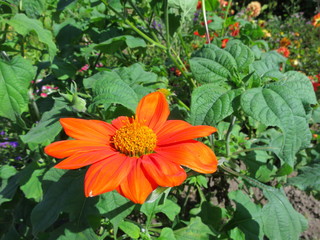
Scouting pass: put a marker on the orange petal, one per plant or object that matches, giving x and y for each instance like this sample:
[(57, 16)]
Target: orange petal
[(82, 159), (137, 186), (172, 126), (185, 134), (153, 109), (163, 171), (121, 121), (192, 154), (106, 175), (93, 130), (62, 149)]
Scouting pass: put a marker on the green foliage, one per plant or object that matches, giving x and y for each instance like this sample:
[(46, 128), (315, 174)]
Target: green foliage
[(97, 59)]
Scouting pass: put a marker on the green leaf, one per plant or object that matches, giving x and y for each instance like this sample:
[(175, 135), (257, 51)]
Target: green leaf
[(187, 6), (131, 229), (308, 178), (110, 88), (49, 126), (15, 77), (247, 216), (63, 193), (242, 54), (34, 8), (30, 181), (71, 231), (280, 220), (217, 22), (119, 43), (115, 207), (8, 183), (24, 25), (279, 106), (196, 229), (210, 104), (212, 65), (167, 233)]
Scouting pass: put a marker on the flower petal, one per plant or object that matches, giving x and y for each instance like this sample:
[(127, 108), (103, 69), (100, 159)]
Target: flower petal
[(120, 122), (163, 171), (185, 134), (153, 109), (93, 130), (171, 126), (62, 149), (106, 175), (192, 154), (79, 160), (137, 186)]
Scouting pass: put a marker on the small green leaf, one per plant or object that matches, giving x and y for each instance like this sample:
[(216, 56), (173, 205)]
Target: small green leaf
[(196, 229), (8, 183), (15, 77), (242, 54), (130, 228), (24, 25), (247, 216), (280, 220), (308, 178), (166, 234)]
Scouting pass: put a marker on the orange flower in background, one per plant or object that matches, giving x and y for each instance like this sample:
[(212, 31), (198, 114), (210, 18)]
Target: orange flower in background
[(134, 155), (285, 42), (316, 20), (254, 9), (199, 5), (284, 51)]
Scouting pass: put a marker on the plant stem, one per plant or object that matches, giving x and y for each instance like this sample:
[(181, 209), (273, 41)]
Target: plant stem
[(126, 21), (225, 18), (233, 120), (205, 21)]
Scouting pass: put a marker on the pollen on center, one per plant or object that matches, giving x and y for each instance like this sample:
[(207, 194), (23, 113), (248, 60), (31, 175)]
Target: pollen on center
[(135, 139)]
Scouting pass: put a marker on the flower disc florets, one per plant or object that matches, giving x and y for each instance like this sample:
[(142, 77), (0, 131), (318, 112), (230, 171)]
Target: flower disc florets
[(135, 139)]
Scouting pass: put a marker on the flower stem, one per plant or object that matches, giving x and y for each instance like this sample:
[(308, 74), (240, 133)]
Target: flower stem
[(205, 21), (137, 30), (225, 18), (232, 122)]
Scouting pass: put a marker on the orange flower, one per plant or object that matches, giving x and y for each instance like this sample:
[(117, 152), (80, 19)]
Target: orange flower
[(316, 20), (134, 155), (285, 42), (284, 51), (199, 5)]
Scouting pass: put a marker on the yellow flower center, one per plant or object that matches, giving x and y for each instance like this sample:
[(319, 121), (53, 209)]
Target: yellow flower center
[(135, 139)]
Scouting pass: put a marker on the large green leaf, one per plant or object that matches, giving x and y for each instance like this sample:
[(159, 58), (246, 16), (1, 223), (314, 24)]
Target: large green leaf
[(15, 77), (24, 25), (280, 220), (242, 54), (34, 8), (211, 104), (247, 216), (308, 178), (49, 126), (187, 6), (278, 106), (63, 192)]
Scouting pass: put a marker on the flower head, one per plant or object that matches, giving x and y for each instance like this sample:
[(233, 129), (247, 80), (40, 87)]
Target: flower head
[(235, 29), (316, 20), (284, 51), (254, 9), (224, 42), (285, 42), (134, 155)]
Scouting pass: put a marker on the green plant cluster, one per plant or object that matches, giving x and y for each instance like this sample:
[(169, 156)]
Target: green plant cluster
[(95, 59)]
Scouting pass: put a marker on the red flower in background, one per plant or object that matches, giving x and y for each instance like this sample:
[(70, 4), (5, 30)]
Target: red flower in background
[(224, 42), (235, 29), (284, 51), (199, 5), (316, 20), (134, 155)]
